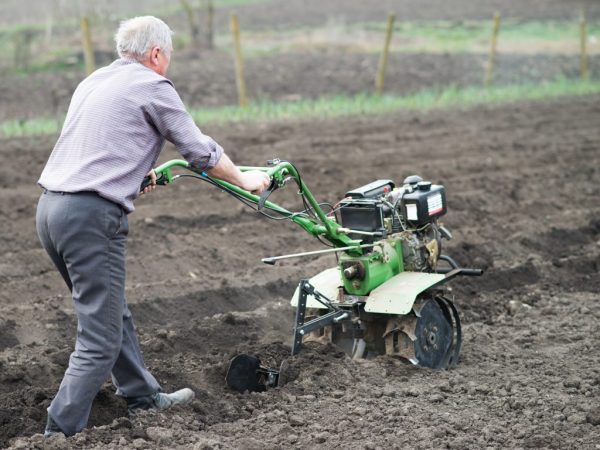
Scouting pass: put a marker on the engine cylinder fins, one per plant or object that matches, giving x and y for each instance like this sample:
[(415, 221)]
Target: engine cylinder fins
[(430, 336)]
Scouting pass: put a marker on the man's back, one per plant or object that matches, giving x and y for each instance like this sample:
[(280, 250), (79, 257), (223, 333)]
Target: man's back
[(116, 126)]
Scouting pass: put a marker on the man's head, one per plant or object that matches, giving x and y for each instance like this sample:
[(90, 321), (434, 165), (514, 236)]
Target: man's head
[(147, 40)]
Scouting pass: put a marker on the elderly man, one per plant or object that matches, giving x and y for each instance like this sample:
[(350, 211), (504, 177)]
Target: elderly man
[(116, 126)]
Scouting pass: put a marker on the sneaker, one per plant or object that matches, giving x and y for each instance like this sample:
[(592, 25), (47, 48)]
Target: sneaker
[(52, 428), (160, 400), (180, 397)]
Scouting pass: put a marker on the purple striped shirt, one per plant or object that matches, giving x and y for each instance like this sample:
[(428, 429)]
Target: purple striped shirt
[(116, 126)]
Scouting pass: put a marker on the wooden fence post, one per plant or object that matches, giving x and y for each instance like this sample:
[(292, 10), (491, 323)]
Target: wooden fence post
[(489, 74), (583, 63), (88, 50), (189, 12), (383, 59), (49, 28), (239, 62), (209, 8), (22, 48)]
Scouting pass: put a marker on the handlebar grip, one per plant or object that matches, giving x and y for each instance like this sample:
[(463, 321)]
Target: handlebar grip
[(161, 180), (265, 194), (147, 182), (472, 272)]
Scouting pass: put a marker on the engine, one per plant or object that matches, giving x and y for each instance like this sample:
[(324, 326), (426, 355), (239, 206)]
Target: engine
[(380, 210)]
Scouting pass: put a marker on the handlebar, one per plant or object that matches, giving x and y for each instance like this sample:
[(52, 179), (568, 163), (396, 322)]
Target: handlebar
[(279, 171)]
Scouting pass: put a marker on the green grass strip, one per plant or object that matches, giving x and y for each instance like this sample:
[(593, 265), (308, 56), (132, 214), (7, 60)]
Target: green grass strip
[(340, 106), (30, 127)]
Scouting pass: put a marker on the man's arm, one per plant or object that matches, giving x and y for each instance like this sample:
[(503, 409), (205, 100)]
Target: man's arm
[(171, 119), (167, 113), (254, 181)]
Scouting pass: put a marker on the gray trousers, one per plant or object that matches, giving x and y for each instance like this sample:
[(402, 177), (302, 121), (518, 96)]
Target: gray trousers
[(85, 236)]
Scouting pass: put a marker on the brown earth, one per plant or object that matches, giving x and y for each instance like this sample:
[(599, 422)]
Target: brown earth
[(523, 188), (522, 182)]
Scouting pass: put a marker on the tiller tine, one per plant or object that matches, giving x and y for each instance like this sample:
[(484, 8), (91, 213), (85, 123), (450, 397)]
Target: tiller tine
[(246, 374)]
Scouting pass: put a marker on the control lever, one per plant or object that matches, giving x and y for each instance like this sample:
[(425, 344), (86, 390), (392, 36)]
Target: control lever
[(266, 193)]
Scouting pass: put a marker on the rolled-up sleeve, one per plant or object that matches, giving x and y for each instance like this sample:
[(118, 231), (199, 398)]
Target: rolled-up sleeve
[(168, 114)]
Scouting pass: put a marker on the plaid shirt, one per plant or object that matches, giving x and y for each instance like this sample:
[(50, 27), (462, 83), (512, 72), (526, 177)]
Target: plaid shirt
[(116, 126)]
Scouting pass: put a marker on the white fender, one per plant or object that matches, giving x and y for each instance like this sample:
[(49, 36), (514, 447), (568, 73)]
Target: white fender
[(327, 283), (398, 294)]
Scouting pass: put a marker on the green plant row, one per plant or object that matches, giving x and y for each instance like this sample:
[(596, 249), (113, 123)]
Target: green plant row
[(425, 100), (340, 106)]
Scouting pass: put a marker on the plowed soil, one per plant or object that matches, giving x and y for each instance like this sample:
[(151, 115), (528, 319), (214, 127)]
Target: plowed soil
[(523, 183)]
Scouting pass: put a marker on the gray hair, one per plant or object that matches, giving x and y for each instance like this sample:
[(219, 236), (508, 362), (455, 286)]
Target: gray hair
[(135, 37)]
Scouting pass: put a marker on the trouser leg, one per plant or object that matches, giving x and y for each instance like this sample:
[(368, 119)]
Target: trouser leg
[(88, 234), (129, 374)]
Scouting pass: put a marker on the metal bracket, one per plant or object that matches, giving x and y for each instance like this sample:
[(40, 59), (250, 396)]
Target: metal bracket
[(334, 315)]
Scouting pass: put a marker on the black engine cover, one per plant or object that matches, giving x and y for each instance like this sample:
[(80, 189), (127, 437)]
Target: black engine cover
[(375, 189), (424, 204)]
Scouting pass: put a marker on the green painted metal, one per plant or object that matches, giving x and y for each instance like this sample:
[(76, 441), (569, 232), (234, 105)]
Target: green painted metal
[(323, 226), (166, 169), (383, 263), (383, 268)]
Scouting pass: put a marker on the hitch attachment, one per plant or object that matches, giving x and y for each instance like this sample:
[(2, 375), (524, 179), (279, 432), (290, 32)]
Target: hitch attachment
[(334, 315)]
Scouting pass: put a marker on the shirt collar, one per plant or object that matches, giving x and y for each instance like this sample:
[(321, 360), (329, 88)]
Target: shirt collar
[(127, 60)]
